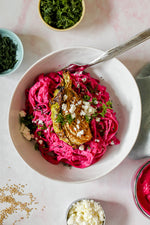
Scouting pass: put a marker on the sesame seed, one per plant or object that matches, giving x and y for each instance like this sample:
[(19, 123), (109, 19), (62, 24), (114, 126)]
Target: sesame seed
[(8, 198)]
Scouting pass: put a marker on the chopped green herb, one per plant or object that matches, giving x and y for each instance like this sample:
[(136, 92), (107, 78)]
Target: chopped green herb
[(60, 118), (87, 118), (109, 104), (89, 87), (7, 53), (61, 14), (36, 146), (94, 115), (27, 121), (69, 118), (86, 97), (104, 110), (39, 133), (43, 127), (67, 165), (94, 101)]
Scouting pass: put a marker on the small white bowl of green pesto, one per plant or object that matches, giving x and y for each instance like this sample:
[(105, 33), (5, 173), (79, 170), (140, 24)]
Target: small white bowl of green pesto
[(61, 15), (11, 52)]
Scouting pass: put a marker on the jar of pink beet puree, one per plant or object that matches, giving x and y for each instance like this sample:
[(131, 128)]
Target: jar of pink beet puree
[(141, 188)]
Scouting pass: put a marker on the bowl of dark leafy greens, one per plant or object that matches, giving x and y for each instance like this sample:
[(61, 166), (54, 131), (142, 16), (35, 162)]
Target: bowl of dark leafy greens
[(11, 52), (61, 15)]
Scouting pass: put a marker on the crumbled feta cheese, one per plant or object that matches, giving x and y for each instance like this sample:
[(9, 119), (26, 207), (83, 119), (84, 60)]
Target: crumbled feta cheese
[(40, 122), (34, 121), (22, 127), (22, 113), (82, 113), (75, 128), (78, 85), (73, 115), (98, 119), (81, 132), (64, 107), (40, 142), (95, 102), (97, 140), (81, 147), (90, 110), (80, 102), (72, 108), (87, 109), (65, 97), (25, 131), (86, 212), (78, 127), (84, 79), (32, 136), (78, 121), (86, 103), (112, 143)]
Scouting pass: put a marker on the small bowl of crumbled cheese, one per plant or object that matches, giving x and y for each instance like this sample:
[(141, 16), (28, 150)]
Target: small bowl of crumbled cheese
[(85, 211)]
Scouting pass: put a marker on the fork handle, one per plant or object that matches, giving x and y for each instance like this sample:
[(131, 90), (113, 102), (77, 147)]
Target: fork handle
[(136, 40)]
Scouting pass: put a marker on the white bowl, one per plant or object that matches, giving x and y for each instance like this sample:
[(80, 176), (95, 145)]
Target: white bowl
[(19, 51), (76, 214), (124, 94)]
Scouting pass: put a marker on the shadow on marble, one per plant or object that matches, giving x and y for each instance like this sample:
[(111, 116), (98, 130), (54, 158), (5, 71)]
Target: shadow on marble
[(133, 65), (115, 213), (35, 47), (96, 12)]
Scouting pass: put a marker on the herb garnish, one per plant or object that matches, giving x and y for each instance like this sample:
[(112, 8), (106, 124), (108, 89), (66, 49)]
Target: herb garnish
[(86, 97), (64, 119), (69, 118), (109, 104), (7, 53), (61, 14), (60, 118), (94, 101), (36, 146), (105, 107), (104, 110), (87, 118), (27, 121)]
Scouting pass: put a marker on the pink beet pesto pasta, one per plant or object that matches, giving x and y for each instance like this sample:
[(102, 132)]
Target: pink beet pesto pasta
[(103, 122)]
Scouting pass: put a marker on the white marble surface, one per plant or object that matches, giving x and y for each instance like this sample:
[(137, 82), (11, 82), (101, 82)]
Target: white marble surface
[(106, 24)]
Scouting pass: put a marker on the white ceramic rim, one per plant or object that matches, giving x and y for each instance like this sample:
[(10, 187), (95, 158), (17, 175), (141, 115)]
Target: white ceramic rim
[(137, 128)]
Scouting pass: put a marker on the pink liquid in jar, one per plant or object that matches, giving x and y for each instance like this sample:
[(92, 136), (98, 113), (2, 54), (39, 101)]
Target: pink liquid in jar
[(142, 189)]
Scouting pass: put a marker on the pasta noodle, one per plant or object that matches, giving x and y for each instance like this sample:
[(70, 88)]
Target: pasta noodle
[(103, 123)]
